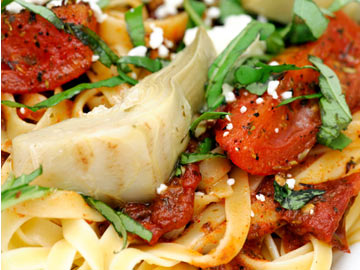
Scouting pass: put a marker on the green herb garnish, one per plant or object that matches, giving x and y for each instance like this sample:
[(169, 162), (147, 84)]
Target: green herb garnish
[(335, 113), (289, 100), (206, 116), (339, 4), (205, 146), (67, 94), (199, 8), (195, 9), (188, 158), (225, 61), (17, 190), (152, 65), (294, 200), (135, 26), (229, 8)]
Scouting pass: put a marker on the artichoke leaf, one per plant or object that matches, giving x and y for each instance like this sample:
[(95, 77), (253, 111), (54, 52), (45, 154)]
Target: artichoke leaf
[(123, 153)]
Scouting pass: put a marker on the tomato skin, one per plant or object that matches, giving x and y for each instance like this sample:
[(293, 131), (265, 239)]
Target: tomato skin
[(38, 57), (267, 139)]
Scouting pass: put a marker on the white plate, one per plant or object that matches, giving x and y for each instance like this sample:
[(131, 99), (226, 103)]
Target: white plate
[(345, 261)]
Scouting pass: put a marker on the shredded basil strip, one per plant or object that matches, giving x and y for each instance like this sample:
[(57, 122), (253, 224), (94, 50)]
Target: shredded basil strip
[(135, 25), (193, 14), (135, 227), (290, 100), (229, 8), (339, 4), (110, 215), (309, 23), (55, 99), (17, 190), (205, 146), (294, 200), (152, 65), (199, 8), (188, 158), (224, 62), (206, 116), (335, 113)]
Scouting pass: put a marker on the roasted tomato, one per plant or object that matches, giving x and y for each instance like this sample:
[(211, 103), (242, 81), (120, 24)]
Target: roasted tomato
[(266, 139), (35, 56)]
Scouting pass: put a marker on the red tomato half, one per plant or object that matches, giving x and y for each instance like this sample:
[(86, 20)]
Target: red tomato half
[(267, 139), (35, 56)]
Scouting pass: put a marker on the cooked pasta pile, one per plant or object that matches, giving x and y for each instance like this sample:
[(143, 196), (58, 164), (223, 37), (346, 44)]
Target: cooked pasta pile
[(61, 231)]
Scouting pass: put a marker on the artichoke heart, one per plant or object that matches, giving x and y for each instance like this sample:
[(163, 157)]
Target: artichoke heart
[(123, 153)]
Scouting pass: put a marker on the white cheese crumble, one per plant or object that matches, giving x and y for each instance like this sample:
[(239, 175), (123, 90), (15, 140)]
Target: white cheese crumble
[(209, 2), (163, 51), (229, 126), (311, 212), (289, 175), (262, 19), (22, 110), (169, 43), (16, 8), (161, 189), (133, 75), (243, 109), (273, 63), (213, 12), (227, 91), (138, 51), (199, 193), (169, 7), (227, 117), (230, 181), (95, 57), (246, 93), (276, 130), (226, 133), (272, 86), (291, 183), (237, 149), (286, 95), (99, 15), (260, 197), (156, 37), (259, 100), (252, 213)]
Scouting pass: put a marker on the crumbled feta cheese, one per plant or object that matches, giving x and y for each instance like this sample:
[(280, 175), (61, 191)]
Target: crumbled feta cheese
[(260, 197), (169, 7), (169, 43), (246, 93), (99, 15), (311, 212), (95, 57), (156, 37), (291, 183), (262, 19), (286, 95), (138, 51), (259, 100), (229, 126), (237, 149), (272, 86), (276, 130), (227, 117), (243, 109), (252, 213), (172, 56), (163, 51), (289, 175), (213, 12), (209, 2), (227, 91), (199, 193), (226, 133), (273, 63), (161, 189), (133, 75), (230, 181), (22, 110)]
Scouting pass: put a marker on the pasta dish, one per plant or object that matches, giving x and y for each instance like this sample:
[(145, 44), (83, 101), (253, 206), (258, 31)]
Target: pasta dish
[(179, 134)]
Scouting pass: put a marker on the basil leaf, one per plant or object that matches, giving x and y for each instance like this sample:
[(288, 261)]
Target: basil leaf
[(89, 38), (199, 8), (275, 43), (67, 94), (340, 142), (223, 63), (125, 77), (20, 194), (230, 7), (135, 227), (110, 215), (289, 100), (339, 4), (206, 116), (152, 65), (187, 158), (22, 180), (135, 26), (294, 200), (43, 12), (103, 3), (309, 23), (335, 113), (193, 15), (256, 88), (205, 146)]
